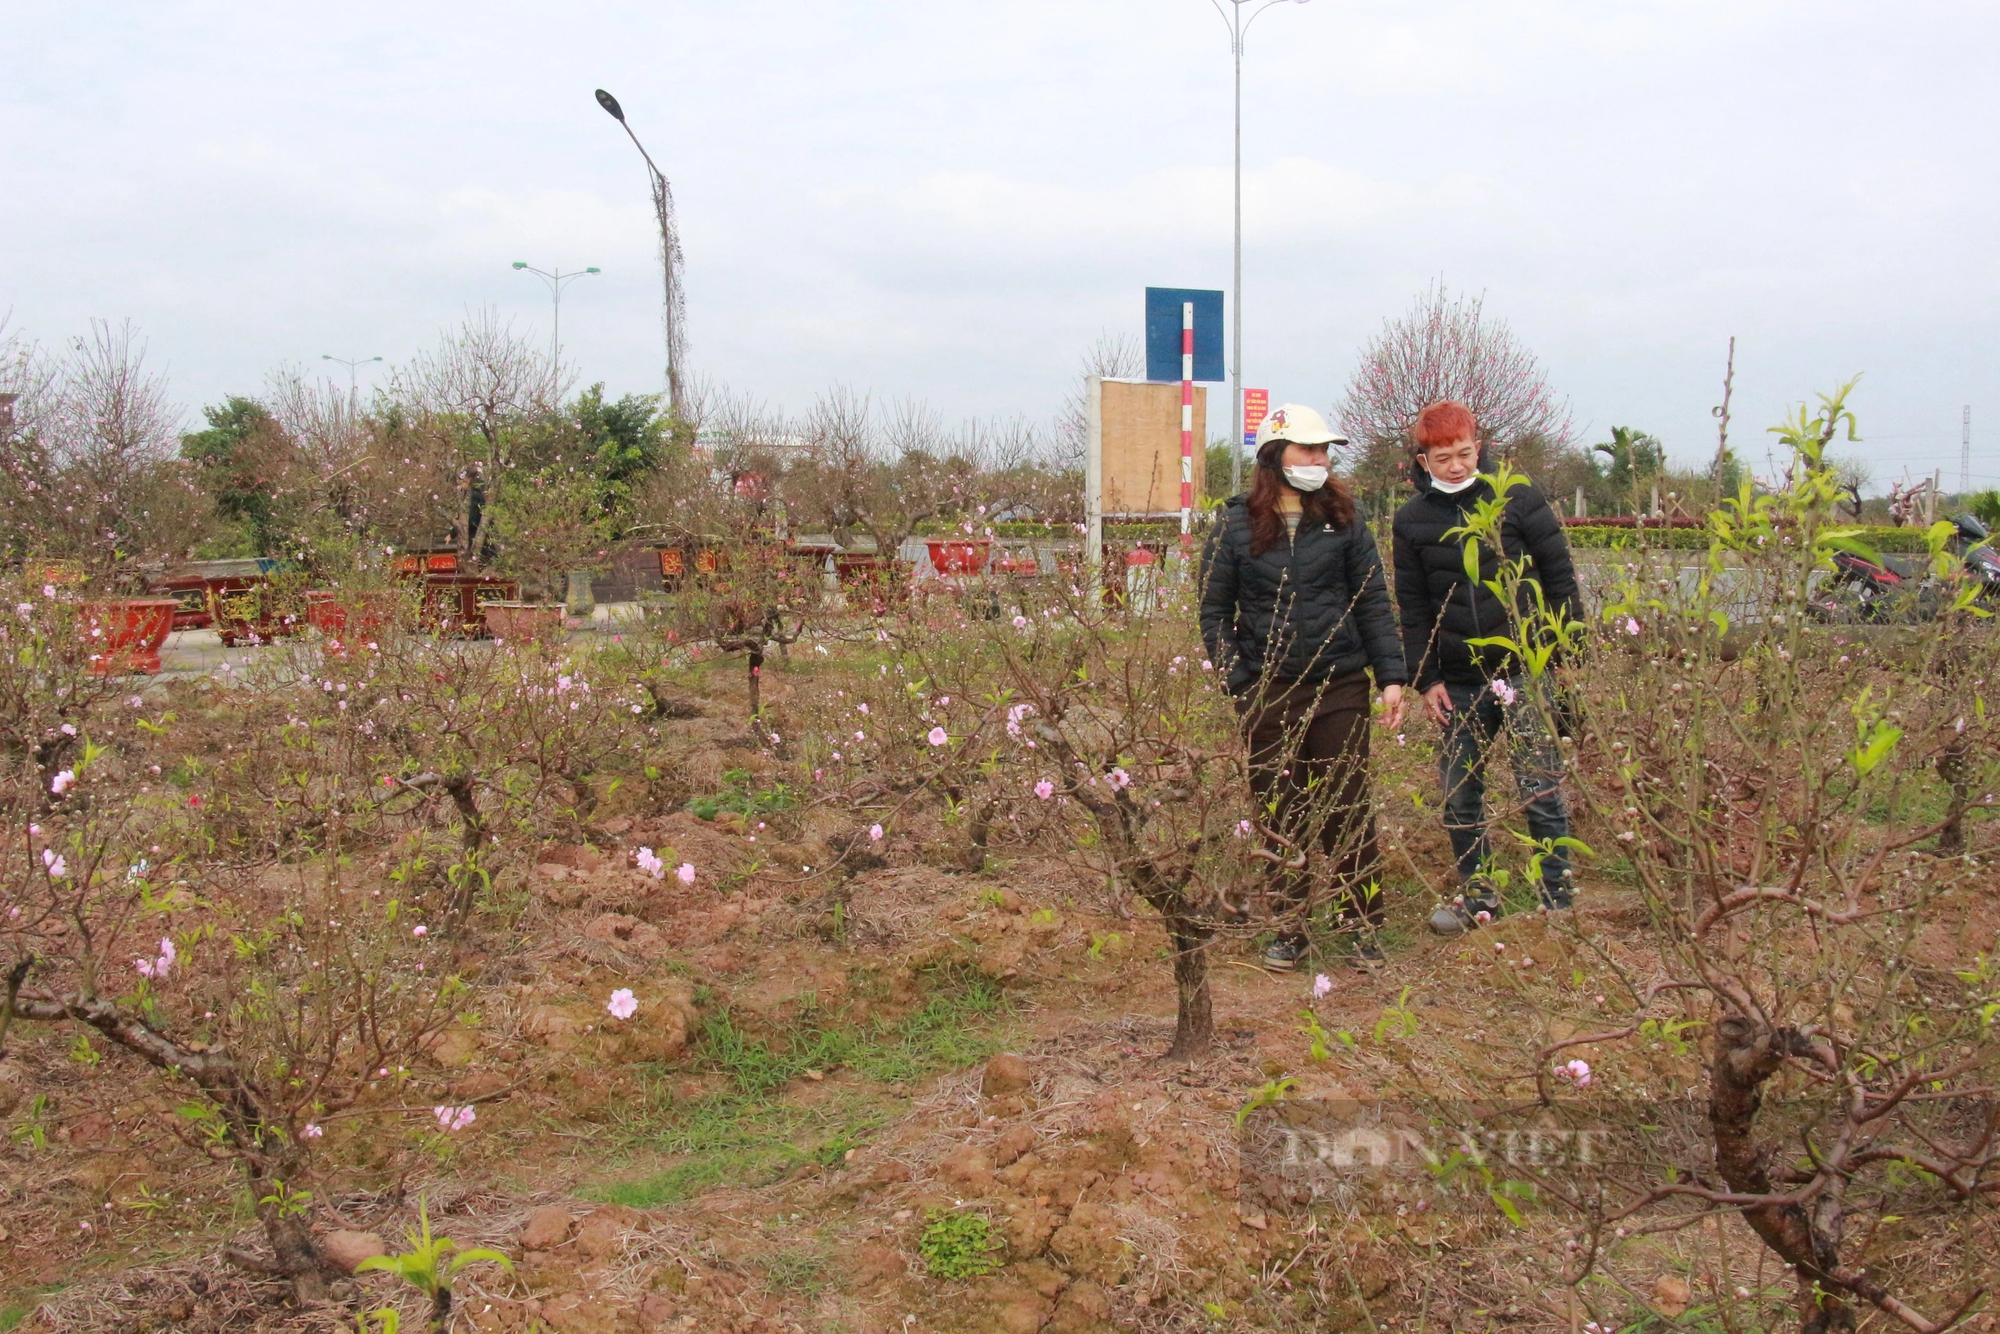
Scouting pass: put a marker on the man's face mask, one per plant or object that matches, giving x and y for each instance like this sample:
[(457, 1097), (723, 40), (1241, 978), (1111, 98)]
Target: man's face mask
[(1452, 488), (1306, 477)]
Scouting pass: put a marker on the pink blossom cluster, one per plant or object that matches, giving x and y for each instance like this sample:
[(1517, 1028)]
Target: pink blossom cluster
[(451, 1120), (1577, 1072), (157, 968)]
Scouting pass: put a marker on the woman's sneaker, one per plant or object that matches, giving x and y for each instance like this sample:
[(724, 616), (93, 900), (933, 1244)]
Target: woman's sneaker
[(1464, 913), (1283, 954)]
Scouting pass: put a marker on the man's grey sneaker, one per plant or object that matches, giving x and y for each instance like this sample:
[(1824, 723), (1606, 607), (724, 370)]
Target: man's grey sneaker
[(1367, 954), (1283, 954), (1557, 897), (1464, 914)]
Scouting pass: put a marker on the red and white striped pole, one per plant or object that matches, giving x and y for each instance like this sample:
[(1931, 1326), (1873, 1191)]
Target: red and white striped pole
[(1187, 425)]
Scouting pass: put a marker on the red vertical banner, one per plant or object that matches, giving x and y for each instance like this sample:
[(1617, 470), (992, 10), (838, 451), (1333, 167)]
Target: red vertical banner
[(1256, 406)]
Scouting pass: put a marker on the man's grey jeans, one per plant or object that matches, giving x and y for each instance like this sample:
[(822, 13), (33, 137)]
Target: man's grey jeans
[(1478, 716)]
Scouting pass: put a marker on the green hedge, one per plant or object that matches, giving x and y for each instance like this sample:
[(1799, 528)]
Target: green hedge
[(1584, 537), (1901, 541)]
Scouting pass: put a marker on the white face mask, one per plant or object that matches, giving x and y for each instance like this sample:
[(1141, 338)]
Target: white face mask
[(1439, 484), (1310, 477)]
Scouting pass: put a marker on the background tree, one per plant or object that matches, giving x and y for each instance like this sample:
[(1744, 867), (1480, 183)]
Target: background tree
[(570, 493), (547, 524), (855, 478), (629, 438), (1637, 461), (92, 472), (1445, 347), (1113, 356), (238, 458), (470, 398)]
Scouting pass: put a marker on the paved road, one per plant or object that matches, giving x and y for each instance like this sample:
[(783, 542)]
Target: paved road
[(192, 653)]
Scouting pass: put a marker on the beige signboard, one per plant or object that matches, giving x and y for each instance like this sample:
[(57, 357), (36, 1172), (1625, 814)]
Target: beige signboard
[(1139, 451)]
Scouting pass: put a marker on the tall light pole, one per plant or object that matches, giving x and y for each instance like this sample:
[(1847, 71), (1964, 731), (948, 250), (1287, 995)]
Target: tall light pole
[(353, 364), (674, 313), (1239, 27), (556, 282)]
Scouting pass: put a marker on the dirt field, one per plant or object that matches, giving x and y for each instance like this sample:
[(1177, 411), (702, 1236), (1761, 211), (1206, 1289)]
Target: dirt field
[(843, 1050)]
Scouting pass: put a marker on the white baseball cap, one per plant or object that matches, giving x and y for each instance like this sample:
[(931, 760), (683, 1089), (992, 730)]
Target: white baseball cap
[(1297, 424)]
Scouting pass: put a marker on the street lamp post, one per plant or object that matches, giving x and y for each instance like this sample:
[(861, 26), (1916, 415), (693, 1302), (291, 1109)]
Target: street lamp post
[(674, 313), (353, 365), (1239, 27), (556, 282)]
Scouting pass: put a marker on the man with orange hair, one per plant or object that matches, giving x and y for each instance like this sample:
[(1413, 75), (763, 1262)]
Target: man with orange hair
[(1475, 691)]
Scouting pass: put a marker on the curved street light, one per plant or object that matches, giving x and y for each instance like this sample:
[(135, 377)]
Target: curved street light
[(1239, 27), (674, 313), (556, 282)]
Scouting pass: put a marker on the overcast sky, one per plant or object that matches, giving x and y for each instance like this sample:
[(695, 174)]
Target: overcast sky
[(950, 200)]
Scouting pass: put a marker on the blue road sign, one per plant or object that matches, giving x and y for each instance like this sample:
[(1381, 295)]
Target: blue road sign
[(1163, 333)]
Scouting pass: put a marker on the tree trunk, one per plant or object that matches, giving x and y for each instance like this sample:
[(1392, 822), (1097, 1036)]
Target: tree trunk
[(251, 1130), (472, 826), (978, 832), (1951, 768), (293, 1253), (1194, 1022), (1746, 1054), (756, 683)]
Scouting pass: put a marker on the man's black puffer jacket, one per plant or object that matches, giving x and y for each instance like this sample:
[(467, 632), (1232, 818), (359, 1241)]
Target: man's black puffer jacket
[(1441, 609), (1309, 609)]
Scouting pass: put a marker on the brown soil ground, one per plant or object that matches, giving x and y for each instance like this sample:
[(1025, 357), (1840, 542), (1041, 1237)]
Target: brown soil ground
[(991, 1044)]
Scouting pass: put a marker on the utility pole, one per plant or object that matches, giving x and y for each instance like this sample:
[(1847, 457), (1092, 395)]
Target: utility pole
[(1721, 414), (1965, 452), (674, 306), (353, 364), (1238, 27), (555, 282)]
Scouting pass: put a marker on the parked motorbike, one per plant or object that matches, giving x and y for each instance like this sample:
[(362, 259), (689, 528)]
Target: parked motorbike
[(1904, 590)]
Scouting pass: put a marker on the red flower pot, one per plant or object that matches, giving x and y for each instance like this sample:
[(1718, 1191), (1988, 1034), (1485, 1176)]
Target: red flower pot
[(885, 582), (959, 557), (125, 634), (523, 622), (361, 615)]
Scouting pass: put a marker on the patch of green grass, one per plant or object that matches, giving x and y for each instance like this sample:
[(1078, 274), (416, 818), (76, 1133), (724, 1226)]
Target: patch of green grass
[(747, 1133), (740, 797), (959, 1245), (948, 1032), (727, 1138), (756, 1067), (800, 1271)]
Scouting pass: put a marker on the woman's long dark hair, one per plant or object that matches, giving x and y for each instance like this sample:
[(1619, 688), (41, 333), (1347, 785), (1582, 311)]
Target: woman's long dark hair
[(1332, 503)]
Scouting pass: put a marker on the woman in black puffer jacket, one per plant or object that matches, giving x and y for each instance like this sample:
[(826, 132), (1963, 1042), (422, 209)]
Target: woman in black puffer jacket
[(1296, 615)]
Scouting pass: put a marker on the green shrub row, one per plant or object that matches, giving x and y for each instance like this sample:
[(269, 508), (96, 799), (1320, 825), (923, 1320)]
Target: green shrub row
[(1901, 541), (1587, 537)]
